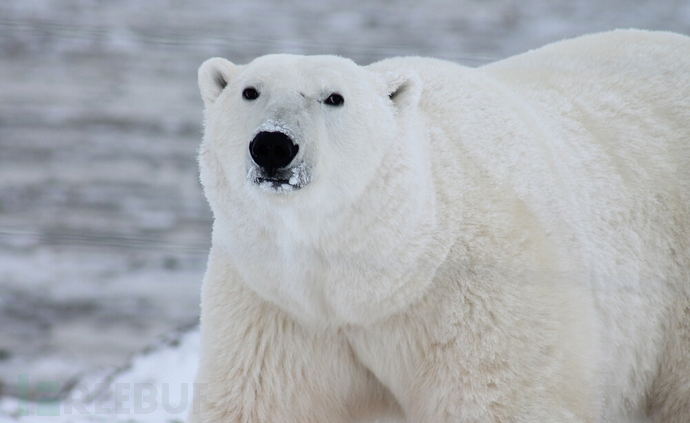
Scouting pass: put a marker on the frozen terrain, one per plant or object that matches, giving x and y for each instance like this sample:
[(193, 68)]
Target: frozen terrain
[(103, 227)]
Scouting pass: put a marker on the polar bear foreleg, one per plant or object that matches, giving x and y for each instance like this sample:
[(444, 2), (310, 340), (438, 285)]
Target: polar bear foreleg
[(259, 365)]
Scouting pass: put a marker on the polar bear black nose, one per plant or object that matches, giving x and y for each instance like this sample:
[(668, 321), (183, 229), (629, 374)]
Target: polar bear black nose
[(272, 150)]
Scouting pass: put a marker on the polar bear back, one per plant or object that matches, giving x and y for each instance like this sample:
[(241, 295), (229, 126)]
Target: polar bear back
[(627, 91)]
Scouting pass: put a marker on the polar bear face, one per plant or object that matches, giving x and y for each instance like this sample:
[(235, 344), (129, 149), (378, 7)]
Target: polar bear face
[(284, 123), (300, 155)]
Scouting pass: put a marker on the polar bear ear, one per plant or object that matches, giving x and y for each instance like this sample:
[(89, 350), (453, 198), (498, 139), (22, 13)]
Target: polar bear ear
[(403, 87), (214, 75)]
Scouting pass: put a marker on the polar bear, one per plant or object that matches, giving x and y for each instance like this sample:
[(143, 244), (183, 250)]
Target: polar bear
[(424, 241)]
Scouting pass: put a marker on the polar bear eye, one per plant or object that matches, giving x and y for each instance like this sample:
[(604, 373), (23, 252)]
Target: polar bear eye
[(335, 99), (250, 93)]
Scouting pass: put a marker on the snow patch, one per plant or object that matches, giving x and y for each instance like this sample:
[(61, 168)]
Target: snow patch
[(288, 180)]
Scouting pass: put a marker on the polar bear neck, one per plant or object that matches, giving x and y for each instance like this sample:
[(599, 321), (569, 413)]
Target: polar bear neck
[(351, 266)]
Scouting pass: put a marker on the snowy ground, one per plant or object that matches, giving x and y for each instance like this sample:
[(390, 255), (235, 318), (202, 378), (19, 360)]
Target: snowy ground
[(103, 227), (155, 386)]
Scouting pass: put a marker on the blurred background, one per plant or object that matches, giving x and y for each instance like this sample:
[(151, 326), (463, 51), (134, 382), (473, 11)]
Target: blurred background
[(104, 230)]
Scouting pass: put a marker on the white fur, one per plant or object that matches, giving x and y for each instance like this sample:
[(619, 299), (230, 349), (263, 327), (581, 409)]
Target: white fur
[(503, 244)]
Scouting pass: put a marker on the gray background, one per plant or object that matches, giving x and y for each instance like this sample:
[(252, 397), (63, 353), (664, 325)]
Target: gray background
[(103, 227)]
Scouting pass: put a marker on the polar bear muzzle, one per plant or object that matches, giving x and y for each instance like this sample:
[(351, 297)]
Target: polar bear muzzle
[(272, 153)]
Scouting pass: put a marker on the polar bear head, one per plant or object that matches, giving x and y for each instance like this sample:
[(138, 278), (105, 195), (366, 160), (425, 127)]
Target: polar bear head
[(300, 155), (283, 123)]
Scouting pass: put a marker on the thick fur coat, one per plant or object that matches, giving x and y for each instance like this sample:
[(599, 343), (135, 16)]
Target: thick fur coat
[(503, 244)]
